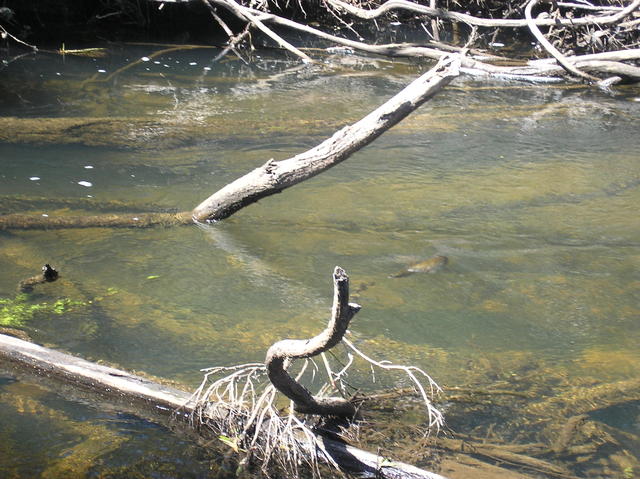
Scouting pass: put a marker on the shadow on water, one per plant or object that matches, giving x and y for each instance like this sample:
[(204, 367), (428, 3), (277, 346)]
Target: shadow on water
[(531, 192)]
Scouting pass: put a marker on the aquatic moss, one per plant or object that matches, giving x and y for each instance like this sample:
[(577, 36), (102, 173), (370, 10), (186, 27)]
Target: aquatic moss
[(19, 311)]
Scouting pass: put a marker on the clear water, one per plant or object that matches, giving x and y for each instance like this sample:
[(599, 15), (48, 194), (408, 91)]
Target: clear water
[(532, 192)]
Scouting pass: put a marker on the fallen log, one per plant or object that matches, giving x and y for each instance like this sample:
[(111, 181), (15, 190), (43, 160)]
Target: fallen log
[(275, 176), (136, 394)]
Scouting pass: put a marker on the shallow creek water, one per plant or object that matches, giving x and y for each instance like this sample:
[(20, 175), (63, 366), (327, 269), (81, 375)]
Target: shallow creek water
[(532, 192)]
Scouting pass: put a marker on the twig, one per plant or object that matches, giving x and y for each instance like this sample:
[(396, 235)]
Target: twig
[(4, 33), (255, 17), (436, 419), (233, 39)]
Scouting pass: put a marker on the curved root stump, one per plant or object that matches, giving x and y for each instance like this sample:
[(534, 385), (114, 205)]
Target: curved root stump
[(281, 353)]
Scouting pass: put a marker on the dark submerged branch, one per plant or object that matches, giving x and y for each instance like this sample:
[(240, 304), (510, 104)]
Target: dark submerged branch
[(143, 220)]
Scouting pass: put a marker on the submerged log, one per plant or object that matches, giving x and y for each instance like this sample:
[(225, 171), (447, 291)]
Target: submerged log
[(131, 220), (502, 454), (134, 393)]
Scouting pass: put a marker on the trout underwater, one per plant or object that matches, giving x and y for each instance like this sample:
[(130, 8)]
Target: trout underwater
[(431, 265)]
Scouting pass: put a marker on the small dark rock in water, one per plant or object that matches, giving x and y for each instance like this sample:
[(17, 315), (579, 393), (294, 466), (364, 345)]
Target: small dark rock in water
[(431, 265), (48, 275)]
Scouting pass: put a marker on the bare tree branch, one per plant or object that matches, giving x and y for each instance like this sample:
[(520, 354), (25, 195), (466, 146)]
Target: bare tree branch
[(562, 60), (254, 17), (275, 176)]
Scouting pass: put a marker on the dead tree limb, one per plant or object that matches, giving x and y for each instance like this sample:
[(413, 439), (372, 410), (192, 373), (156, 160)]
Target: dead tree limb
[(253, 17), (629, 72), (617, 56), (475, 65), (391, 5), (275, 176), (562, 60), (139, 395), (281, 353)]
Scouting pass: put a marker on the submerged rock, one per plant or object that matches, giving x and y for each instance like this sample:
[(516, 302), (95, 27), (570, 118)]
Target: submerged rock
[(431, 265), (48, 275)]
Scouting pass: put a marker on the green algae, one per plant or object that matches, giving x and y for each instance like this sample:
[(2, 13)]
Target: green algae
[(20, 311)]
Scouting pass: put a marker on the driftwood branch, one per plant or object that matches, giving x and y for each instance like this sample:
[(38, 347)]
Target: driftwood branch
[(139, 395), (281, 353), (275, 176), (562, 60)]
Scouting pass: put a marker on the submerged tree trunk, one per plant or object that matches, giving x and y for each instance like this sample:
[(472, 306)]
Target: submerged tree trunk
[(115, 220)]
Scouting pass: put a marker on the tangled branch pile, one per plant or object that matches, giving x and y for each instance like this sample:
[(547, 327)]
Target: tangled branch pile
[(587, 40), (580, 26)]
